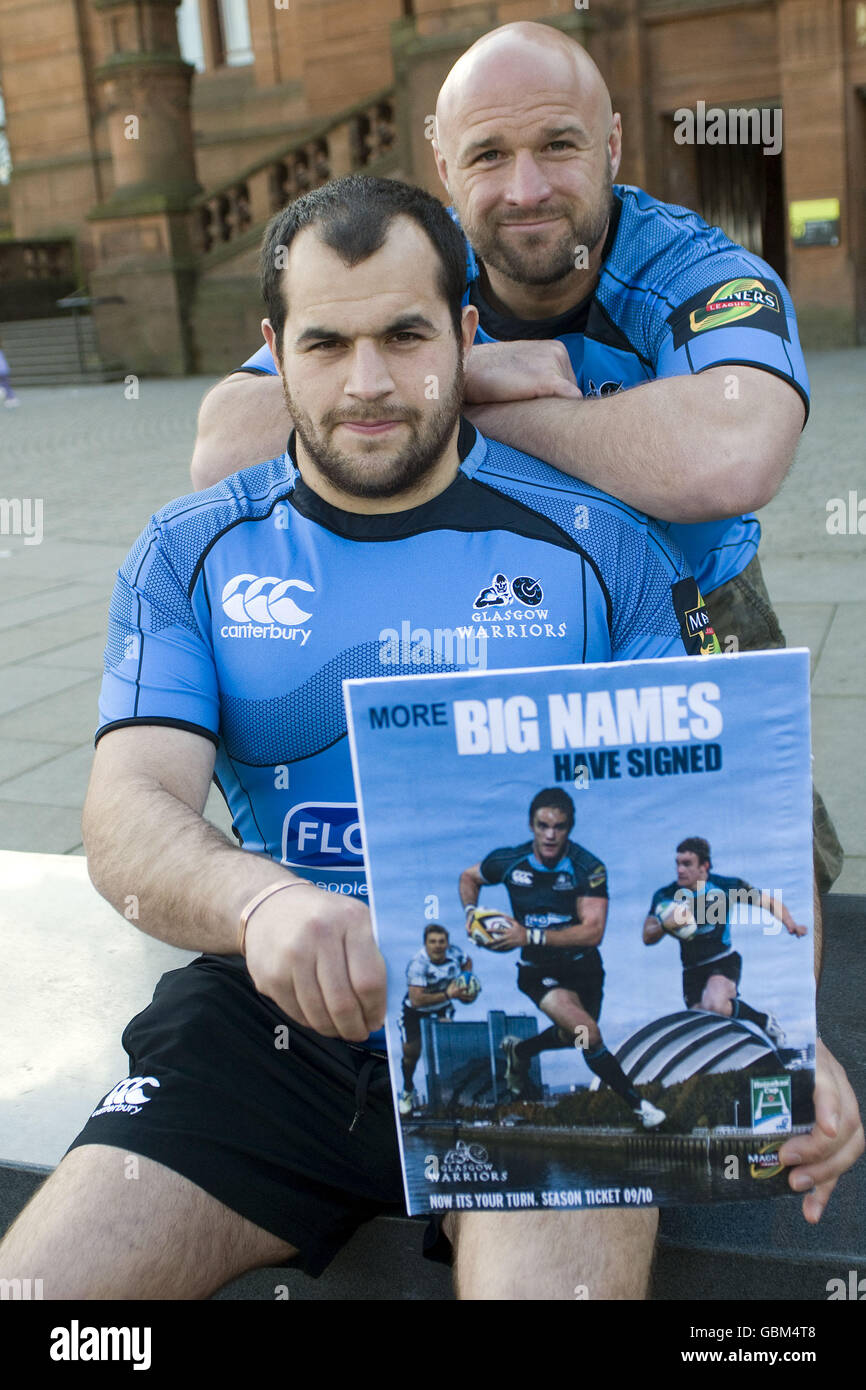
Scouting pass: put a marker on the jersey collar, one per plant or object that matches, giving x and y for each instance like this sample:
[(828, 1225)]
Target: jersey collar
[(548, 869)]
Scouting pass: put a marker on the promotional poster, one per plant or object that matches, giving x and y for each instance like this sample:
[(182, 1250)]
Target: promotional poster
[(592, 886)]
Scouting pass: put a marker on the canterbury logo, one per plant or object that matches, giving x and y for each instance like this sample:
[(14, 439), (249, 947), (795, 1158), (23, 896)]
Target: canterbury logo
[(128, 1094), (248, 599)]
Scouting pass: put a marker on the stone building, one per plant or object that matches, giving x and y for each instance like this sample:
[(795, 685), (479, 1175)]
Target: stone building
[(150, 140)]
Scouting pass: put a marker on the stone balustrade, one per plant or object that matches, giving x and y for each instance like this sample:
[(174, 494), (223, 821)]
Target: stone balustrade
[(358, 139)]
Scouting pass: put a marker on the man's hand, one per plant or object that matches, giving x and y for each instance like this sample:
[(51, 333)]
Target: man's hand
[(518, 371), (514, 936), (314, 954), (456, 989), (835, 1143), (796, 929)]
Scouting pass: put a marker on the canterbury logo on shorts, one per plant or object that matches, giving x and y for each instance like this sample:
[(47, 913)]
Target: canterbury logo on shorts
[(127, 1097)]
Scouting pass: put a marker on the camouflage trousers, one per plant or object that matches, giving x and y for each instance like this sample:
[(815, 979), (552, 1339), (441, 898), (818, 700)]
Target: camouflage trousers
[(742, 608)]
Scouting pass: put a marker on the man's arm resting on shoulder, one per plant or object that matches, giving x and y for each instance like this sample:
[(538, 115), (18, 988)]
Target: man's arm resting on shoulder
[(678, 448), (242, 421), (144, 834)]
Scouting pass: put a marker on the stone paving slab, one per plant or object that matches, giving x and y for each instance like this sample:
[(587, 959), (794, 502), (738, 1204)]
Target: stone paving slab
[(853, 876), (842, 668), (55, 829), (806, 625), (41, 601), (23, 685), (814, 578), (60, 782), (838, 725), (19, 755), (70, 716), (85, 655), (29, 640)]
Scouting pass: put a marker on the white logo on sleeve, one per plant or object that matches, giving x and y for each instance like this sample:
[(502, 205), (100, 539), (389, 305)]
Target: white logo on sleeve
[(127, 1097)]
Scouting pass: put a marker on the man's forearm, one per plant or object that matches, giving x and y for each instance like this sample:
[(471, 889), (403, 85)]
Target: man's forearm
[(171, 872), (675, 448), (242, 421)]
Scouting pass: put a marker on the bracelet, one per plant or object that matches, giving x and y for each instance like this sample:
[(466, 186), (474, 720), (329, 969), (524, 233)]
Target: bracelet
[(536, 936), (257, 901)]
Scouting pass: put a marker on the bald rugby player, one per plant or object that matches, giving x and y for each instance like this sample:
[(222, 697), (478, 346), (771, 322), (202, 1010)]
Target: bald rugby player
[(610, 328)]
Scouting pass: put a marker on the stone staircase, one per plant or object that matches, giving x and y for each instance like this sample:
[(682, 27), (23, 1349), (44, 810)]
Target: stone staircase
[(60, 351)]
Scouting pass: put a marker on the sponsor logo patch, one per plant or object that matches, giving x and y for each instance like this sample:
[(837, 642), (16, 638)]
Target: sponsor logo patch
[(699, 638), (323, 835), (764, 1163), (745, 300)]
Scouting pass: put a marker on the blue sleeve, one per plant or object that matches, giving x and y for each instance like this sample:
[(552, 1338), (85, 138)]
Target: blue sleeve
[(261, 362), (728, 309), (495, 864), (659, 609), (159, 668)]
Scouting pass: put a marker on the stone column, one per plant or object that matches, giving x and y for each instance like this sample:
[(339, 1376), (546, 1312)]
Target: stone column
[(142, 240)]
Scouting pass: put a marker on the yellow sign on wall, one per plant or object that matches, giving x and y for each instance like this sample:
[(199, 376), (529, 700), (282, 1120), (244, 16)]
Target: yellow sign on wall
[(815, 222)]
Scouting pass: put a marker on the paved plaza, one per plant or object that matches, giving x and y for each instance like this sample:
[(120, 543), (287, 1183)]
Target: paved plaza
[(101, 463)]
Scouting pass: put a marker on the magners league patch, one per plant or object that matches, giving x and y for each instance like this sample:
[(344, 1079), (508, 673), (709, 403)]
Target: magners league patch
[(755, 303), (698, 635)]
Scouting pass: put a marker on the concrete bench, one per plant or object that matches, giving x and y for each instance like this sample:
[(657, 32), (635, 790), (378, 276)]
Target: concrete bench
[(75, 973)]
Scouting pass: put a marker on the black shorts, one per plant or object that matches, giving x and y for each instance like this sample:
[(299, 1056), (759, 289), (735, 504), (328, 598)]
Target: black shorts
[(585, 977), (262, 1126), (695, 976), (410, 1020)]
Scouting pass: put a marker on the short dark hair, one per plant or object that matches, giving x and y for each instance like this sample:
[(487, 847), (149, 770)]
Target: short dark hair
[(435, 926), (696, 844), (555, 797), (353, 216)]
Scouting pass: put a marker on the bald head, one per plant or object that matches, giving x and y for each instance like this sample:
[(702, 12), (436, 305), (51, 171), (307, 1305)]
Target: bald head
[(527, 146), (512, 65)]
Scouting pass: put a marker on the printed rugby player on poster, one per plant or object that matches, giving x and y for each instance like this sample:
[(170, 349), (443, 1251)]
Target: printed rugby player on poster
[(592, 886)]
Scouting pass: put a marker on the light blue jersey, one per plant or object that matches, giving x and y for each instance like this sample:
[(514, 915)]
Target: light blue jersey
[(240, 610)]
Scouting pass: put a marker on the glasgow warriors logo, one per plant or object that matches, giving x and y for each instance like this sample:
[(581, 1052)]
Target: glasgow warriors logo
[(499, 592)]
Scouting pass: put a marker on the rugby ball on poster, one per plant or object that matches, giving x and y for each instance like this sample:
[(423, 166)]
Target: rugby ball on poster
[(470, 987), (486, 927), (677, 918)]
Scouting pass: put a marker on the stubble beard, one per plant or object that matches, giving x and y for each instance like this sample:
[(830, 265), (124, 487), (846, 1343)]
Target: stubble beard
[(532, 266), (356, 477)]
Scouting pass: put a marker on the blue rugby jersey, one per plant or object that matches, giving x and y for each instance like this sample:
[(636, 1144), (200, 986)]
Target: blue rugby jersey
[(674, 297), (240, 610), (711, 908)]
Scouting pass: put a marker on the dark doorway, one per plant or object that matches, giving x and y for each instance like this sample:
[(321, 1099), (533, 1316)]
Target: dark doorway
[(736, 187)]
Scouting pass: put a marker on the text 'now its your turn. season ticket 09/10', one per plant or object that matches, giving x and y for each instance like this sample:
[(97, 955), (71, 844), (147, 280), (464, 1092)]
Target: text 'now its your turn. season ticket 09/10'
[(592, 886)]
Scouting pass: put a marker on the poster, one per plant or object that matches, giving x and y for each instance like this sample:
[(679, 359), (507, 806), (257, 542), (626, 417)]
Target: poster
[(593, 889)]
